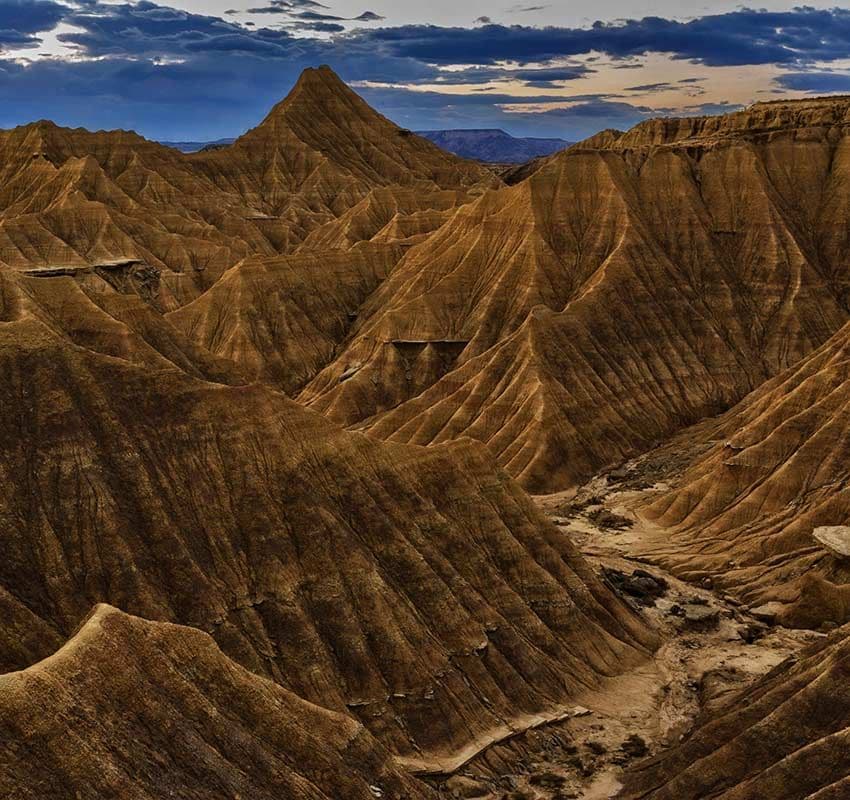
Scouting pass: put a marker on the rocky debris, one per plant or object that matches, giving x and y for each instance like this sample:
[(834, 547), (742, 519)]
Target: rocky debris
[(547, 780), (645, 587), (634, 747), (609, 520), (782, 737), (835, 539), (768, 612), (696, 614), (595, 747), (583, 500), (752, 631), (619, 473), (461, 786)]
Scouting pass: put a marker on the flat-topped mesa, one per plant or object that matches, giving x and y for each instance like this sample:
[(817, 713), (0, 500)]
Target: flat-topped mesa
[(758, 119)]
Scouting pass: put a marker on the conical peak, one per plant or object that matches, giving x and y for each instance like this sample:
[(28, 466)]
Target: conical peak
[(316, 85), (321, 77)]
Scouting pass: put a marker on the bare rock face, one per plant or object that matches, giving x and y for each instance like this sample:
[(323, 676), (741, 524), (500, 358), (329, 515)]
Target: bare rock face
[(141, 710), (775, 474), (782, 739)]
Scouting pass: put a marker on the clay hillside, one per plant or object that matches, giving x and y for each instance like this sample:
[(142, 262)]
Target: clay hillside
[(83, 201), (762, 508), (635, 283), (177, 719), (418, 590), (333, 465)]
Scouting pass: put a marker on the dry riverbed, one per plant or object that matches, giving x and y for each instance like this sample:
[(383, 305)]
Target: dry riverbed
[(711, 648)]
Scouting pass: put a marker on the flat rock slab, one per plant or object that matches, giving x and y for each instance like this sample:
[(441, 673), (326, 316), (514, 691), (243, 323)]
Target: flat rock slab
[(835, 538)]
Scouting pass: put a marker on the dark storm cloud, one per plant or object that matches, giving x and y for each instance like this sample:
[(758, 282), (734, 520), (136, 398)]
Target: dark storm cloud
[(293, 10), (20, 20), (815, 81), (736, 38), (733, 39)]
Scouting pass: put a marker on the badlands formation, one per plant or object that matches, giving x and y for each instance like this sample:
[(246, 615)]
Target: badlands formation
[(335, 466)]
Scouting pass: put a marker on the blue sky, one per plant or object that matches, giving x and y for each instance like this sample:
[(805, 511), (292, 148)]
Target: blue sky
[(205, 69)]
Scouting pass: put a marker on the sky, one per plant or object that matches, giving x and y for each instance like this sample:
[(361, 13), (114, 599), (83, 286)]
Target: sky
[(208, 69)]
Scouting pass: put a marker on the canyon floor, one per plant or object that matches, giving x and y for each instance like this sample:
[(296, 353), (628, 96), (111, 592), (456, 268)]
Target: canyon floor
[(713, 646)]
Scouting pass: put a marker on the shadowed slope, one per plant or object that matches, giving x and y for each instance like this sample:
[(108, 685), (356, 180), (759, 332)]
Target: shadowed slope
[(419, 588), (678, 266), (785, 738), (141, 710), (745, 510), (281, 319)]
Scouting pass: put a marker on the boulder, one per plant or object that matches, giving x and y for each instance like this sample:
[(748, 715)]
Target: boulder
[(834, 538)]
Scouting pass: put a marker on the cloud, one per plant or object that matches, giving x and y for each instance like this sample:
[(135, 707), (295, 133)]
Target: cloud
[(539, 77), (483, 21), (295, 10), (518, 9), (816, 81), (21, 20), (175, 74), (744, 37), (552, 74), (650, 87), (279, 7)]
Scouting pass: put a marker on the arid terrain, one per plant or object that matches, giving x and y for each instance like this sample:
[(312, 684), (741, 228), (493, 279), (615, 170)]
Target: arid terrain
[(333, 465)]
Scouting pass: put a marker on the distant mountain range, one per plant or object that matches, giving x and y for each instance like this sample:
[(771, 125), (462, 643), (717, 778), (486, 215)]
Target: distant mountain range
[(494, 145), (194, 147), (486, 144)]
